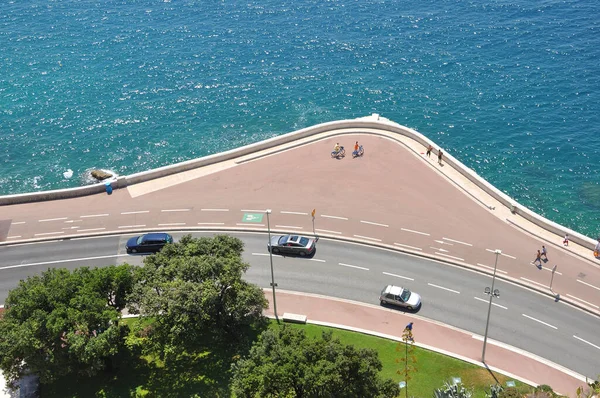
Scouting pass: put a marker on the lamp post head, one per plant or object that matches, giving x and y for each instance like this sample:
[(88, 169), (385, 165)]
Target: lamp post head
[(268, 211), (498, 251)]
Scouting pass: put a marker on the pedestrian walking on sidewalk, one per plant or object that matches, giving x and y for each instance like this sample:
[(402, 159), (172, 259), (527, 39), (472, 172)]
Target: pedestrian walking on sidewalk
[(429, 149), (566, 240), (440, 155), (538, 260), (408, 332), (544, 253)]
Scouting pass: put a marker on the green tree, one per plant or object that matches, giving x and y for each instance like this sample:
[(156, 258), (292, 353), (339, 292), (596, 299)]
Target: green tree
[(64, 322), (285, 363), (193, 289)]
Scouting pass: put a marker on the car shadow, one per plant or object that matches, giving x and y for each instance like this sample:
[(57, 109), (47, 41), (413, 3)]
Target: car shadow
[(311, 255), (402, 309)]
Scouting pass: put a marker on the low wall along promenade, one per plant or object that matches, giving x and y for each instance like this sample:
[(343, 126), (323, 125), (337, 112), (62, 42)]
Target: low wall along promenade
[(373, 124)]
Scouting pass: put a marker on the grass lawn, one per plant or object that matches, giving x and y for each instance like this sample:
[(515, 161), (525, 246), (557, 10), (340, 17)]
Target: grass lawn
[(206, 374)]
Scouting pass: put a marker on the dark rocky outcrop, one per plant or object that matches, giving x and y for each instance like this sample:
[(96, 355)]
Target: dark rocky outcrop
[(100, 174)]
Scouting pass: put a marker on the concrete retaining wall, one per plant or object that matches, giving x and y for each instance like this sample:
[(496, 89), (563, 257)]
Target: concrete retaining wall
[(373, 122)]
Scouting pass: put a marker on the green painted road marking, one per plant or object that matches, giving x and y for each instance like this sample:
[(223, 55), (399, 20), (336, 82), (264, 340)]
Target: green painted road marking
[(252, 217)]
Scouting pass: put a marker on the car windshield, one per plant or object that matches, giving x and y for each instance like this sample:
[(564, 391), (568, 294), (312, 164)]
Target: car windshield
[(303, 241), (405, 295), (282, 240), (140, 240)]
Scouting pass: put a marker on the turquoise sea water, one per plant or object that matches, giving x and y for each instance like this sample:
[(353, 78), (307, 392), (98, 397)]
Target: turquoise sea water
[(509, 87)]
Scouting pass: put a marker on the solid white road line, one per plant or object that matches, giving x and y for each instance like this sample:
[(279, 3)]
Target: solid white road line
[(458, 241), (328, 231), (70, 260), (91, 229), (214, 209), (366, 237), (53, 219), (536, 283), (94, 215), (444, 288), (550, 269), (414, 232), (253, 211), (132, 226), (353, 266), (211, 223), (447, 255), (294, 212), (288, 226), (587, 284), (50, 233), (487, 266), (583, 301), (249, 224), (172, 224), (487, 302), (173, 210), (335, 217), (13, 237), (374, 223), (537, 320), (135, 212), (407, 246), (18, 222), (398, 276), (587, 342)]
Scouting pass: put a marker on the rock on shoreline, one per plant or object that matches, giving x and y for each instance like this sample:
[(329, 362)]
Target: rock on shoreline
[(100, 174)]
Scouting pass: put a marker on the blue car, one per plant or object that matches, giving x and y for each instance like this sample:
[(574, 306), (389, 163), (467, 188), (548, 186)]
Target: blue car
[(148, 243)]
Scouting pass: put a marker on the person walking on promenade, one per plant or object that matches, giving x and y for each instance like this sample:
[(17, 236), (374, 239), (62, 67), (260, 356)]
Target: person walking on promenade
[(440, 155), (566, 240), (538, 260), (597, 249), (544, 253), (429, 149), (356, 147)]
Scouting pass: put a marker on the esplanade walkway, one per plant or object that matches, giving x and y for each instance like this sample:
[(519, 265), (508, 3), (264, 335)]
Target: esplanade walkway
[(394, 197)]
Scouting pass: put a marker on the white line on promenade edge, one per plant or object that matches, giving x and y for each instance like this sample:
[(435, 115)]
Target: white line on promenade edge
[(327, 230), (374, 223), (135, 212), (585, 283), (18, 222), (587, 342), (492, 268), (502, 254), (249, 225), (50, 233), (537, 320), (366, 237), (174, 210), (294, 212), (253, 211), (353, 266), (214, 209), (172, 224), (287, 226), (583, 301), (335, 217), (447, 255), (439, 249), (91, 229), (486, 301), (13, 237), (132, 226), (70, 260), (211, 223), (94, 215), (458, 241), (397, 276), (407, 246), (53, 219), (73, 227), (537, 283), (414, 232), (550, 269), (444, 288), (444, 243)]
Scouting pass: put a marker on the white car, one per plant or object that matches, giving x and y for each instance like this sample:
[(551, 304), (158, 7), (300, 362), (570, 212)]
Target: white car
[(396, 295)]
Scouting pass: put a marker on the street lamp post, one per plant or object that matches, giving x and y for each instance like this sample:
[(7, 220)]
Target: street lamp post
[(492, 293), (273, 284)]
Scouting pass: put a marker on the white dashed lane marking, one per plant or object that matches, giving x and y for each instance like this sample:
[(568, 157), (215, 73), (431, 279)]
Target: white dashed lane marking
[(449, 256), (294, 212), (353, 266), (583, 301), (214, 209), (50, 233), (458, 241), (537, 320), (334, 217), (328, 231), (374, 223), (18, 223), (407, 246), (587, 342), (398, 276), (132, 226), (172, 224), (587, 284), (135, 212), (368, 238), (53, 219), (288, 226), (487, 301), (94, 215), (487, 266), (444, 288), (414, 232)]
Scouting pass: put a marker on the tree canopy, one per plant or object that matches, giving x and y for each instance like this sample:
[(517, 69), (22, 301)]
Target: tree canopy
[(286, 363), (64, 322), (193, 289)]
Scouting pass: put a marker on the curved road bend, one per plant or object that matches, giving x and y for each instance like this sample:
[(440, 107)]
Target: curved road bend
[(454, 296), (394, 195)]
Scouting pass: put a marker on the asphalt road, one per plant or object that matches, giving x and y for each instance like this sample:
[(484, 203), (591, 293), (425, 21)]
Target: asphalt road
[(452, 295)]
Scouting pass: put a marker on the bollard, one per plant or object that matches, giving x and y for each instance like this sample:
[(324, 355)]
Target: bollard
[(108, 187)]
